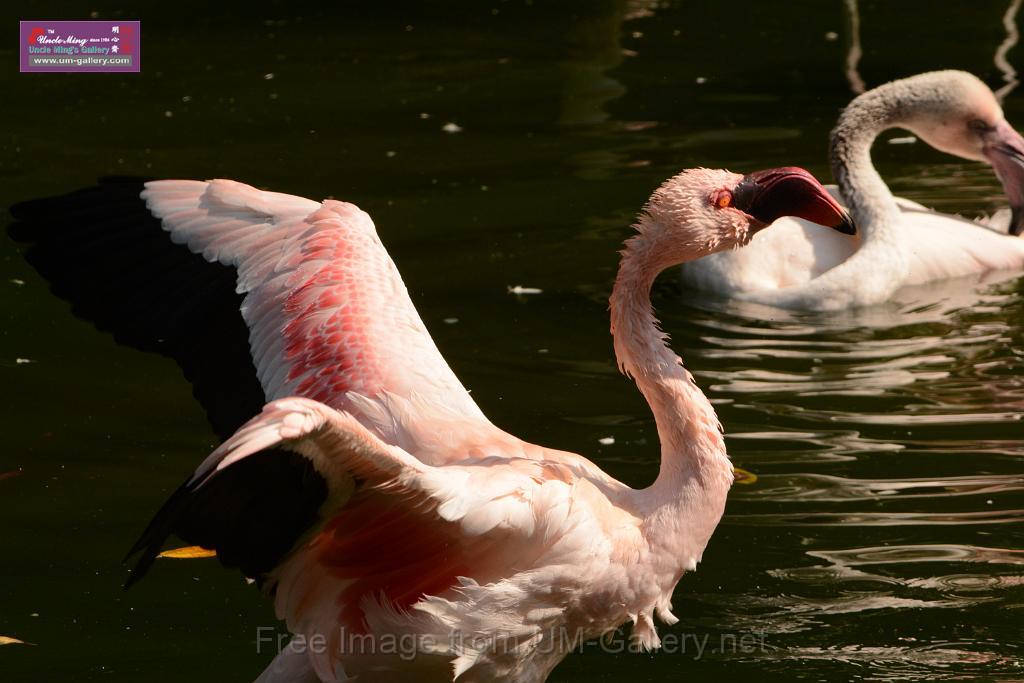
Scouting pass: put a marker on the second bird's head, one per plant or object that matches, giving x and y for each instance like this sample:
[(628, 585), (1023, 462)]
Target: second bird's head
[(955, 112)]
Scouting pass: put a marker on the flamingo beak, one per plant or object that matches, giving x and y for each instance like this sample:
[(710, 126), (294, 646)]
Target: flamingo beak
[(1004, 149), (769, 195)]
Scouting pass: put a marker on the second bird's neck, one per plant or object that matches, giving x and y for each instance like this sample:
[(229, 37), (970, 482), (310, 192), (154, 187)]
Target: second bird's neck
[(867, 197)]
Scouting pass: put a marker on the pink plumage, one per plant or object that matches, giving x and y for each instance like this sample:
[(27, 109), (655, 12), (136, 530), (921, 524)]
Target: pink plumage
[(495, 556)]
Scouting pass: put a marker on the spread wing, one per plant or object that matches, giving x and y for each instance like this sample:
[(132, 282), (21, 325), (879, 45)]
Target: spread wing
[(397, 534), (329, 316)]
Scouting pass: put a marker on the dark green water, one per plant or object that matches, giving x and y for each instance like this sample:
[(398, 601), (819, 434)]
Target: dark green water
[(883, 538)]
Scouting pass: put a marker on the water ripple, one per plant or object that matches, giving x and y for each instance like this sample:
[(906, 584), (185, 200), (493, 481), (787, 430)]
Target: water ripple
[(849, 566), (900, 554), (897, 428), (894, 418), (930, 662), (870, 519), (807, 487)]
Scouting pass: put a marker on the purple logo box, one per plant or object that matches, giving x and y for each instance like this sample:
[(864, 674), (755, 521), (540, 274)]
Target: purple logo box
[(80, 46)]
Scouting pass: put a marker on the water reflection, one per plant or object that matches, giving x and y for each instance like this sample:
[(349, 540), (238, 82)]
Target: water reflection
[(1000, 60), (867, 519), (880, 539), (903, 554), (887, 444), (940, 354), (809, 487), (854, 50), (930, 662), (594, 43), (897, 566)]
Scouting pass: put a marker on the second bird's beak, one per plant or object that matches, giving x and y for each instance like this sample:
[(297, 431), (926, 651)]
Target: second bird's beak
[(791, 191), (1005, 151)]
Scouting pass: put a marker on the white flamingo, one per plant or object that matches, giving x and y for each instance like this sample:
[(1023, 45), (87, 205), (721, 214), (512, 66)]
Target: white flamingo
[(495, 556), (800, 265)]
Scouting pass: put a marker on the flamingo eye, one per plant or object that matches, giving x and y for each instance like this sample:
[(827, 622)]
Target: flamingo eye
[(722, 199), (979, 126)]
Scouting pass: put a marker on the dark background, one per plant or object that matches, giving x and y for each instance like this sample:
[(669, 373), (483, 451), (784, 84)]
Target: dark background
[(882, 538)]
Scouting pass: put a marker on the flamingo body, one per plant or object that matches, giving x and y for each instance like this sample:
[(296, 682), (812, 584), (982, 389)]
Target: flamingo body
[(409, 515), (528, 552), (437, 523)]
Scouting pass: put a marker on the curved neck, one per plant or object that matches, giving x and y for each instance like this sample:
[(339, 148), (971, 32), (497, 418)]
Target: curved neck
[(881, 261), (692, 447), (866, 195)]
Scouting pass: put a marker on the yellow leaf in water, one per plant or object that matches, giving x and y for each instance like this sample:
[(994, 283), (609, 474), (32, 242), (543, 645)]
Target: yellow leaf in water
[(188, 553), (7, 640), (742, 476)]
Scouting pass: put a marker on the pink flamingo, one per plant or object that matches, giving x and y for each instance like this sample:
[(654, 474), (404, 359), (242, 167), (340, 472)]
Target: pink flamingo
[(493, 556)]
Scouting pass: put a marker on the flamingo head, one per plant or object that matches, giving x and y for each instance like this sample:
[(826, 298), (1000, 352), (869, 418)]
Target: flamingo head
[(955, 112), (702, 211)]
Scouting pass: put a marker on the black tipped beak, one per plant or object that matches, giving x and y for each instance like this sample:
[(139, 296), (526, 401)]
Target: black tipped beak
[(791, 191), (1005, 151), (846, 224)]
